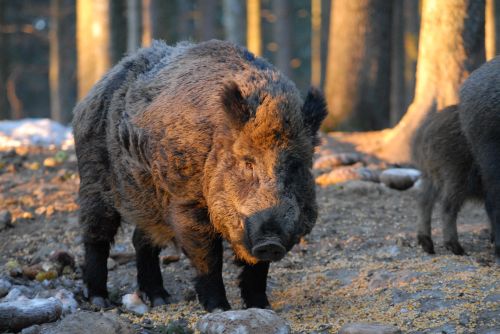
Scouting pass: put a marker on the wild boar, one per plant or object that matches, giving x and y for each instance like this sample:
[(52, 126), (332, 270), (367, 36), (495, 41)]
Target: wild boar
[(480, 121), (441, 152), (194, 144)]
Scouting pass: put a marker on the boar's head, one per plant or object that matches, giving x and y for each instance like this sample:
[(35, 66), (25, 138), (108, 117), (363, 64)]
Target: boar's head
[(261, 194)]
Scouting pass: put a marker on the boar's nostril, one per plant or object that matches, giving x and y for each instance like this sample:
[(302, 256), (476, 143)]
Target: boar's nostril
[(269, 251)]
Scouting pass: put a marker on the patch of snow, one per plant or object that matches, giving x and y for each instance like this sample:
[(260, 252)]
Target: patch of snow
[(35, 132)]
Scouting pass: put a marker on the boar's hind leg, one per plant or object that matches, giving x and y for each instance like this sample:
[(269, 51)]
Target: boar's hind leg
[(149, 276), (452, 202), (426, 199), (253, 281), (100, 224)]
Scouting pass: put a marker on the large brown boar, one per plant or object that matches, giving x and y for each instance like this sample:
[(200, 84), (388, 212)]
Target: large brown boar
[(195, 144), (480, 120), (441, 152)]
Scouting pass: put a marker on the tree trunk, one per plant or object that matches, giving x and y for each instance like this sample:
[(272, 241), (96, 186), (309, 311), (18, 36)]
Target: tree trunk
[(147, 23), (411, 22), (282, 35), (208, 10), (492, 38), (133, 25), (234, 21), (358, 74), (397, 63), (93, 42), (185, 21), (451, 46), (62, 60), (254, 36), (316, 43), (4, 110)]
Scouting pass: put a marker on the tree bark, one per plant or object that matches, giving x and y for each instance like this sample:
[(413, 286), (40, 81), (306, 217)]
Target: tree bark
[(397, 63), (93, 42), (316, 43), (147, 23), (358, 69), (4, 110), (411, 22), (62, 60), (133, 25), (254, 36), (234, 21), (282, 35), (451, 47), (492, 33)]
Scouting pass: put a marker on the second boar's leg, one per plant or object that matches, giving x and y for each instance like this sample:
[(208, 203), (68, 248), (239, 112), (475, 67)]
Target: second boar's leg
[(195, 234), (149, 276), (426, 199), (492, 203), (253, 281), (452, 202)]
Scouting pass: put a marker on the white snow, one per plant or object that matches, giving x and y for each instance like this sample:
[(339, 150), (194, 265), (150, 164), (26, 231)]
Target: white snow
[(35, 132)]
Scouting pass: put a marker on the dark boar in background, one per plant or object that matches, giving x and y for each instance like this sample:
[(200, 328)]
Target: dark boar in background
[(480, 120), (196, 144), (449, 173)]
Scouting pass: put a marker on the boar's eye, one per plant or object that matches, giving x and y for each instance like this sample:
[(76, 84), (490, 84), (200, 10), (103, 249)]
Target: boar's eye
[(249, 165)]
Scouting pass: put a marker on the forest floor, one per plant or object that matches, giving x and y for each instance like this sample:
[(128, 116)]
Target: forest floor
[(361, 262)]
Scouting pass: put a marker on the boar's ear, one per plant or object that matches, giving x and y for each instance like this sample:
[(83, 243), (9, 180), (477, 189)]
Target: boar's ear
[(235, 106), (314, 112)]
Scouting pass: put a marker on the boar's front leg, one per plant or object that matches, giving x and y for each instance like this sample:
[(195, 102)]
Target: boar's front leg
[(195, 235), (253, 282), (426, 201), (452, 203), (149, 276)]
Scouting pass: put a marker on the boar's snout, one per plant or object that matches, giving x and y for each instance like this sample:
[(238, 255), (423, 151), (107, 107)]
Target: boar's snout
[(269, 250)]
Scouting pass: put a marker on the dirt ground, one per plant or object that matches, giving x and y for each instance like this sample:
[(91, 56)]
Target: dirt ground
[(361, 263)]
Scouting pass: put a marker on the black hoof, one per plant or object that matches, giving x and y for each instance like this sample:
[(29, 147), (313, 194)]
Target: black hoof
[(257, 301), (157, 298), (454, 247), (100, 302), (214, 306), (426, 242)]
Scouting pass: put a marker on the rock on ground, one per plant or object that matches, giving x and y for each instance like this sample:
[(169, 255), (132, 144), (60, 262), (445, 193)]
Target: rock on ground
[(84, 322), (250, 321), (369, 329), (399, 178), (4, 287)]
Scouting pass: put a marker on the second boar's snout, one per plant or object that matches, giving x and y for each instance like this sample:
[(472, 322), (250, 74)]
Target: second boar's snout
[(269, 250)]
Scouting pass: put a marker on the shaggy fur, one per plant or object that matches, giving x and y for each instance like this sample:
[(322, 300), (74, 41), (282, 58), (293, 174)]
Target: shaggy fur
[(441, 152), (195, 144), (480, 120)]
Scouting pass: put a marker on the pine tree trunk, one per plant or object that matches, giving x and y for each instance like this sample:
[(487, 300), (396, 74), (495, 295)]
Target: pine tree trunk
[(133, 25), (411, 22), (397, 63), (62, 60), (234, 21), (316, 43), (282, 35), (208, 11), (254, 36), (358, 69), (492, 33), (93, 42), (4, 110), (147, 23), (451, 47)]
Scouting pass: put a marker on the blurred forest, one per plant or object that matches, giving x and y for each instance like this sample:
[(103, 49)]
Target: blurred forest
[(363, 53)]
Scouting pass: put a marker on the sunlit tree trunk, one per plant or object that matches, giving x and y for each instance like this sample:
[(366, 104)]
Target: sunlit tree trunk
[(411, 23), (62, 55), (357, 85), (254, 36), (234, 20), (397, 63), (451, 46), (316, 43), (492, 38), (282, 35), (93, 42), (147, 22), (133, 25)]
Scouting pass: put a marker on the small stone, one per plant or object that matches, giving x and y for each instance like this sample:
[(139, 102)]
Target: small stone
[(5, 220), (27, 215), (67, 299), (250, 321), (166, 259), (4, 287), (23, 313), (50, 162), (399, 178), (380, 280), (132, 302), (31, 272), (35, 329), (111, 264), (84, 322), (35, 165), (46, 275), (360, 328)]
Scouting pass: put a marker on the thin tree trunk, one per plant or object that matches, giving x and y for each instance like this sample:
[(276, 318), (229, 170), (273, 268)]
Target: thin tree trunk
[(93, 42), (358, 69), (397, 63), (411, 20), (492, 33), (185, 20), (4, 110), (451, 47), (147, 23), (133, 25), (254, 36), (316, 43), (208, 11), (118, 44), (282, 35), (234, 21), (62, 55)]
